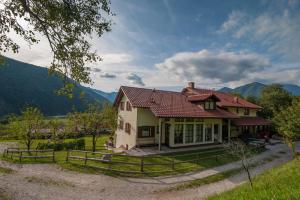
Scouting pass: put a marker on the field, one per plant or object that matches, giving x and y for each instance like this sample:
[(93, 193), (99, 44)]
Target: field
[(278, 183), (166, 164)]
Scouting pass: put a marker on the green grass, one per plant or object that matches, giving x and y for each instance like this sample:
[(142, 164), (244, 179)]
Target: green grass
[(278, 183), (207, 180), (4, 170)]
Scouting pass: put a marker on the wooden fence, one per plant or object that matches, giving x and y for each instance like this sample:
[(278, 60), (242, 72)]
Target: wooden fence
[(31, 154), (172, 162)]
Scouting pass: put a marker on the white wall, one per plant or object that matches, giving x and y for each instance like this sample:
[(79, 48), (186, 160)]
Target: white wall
[(123, 138)]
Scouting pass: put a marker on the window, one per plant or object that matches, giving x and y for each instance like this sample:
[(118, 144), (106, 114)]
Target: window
[(247, 111), (128, 106), (146, 131), (216, 129), (122, 106), (178, 134), (199, 132), (208, 133), (189, 120), (179, 120), (210, 105), (189, 133), (237, 110), (121, 124), (127, 128)]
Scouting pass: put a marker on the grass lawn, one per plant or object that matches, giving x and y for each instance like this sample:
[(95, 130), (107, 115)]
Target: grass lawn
[(154, 165), (278, 183)]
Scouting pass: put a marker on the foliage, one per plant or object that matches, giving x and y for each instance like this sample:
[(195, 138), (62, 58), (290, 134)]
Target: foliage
[(55, 127), (78, 144), (278, 183), (273, 99), (65, 24), (252, 99), (288, 123), (27, 125), (236, 94)]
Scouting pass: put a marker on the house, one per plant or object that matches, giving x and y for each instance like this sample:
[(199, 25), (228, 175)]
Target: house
[(191, 117)]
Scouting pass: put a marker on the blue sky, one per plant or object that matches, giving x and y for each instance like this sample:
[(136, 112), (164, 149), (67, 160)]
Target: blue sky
[(166, 43)]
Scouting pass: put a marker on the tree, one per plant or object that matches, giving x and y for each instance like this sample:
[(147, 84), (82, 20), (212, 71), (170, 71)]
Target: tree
[(236, 94), (110, 117), (92, 119), (288, 124), (66, 24), (252, 99), (27, 125), (243, 152), (273, 99), (74, 123), (54, 126)]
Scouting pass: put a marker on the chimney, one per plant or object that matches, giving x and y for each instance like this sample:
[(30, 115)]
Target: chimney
[(191, 85), (236, 99)]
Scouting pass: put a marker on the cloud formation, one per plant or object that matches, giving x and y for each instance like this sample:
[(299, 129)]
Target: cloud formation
[(218, 67), (234, 19), (135, 79), (277, 32), (107, 75)]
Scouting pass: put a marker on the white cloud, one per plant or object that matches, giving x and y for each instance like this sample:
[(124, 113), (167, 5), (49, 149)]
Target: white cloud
[(116, 58), (213, 67), (234, 19)]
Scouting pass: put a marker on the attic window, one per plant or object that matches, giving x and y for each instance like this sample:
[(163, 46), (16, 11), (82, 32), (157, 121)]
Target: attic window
[(122, 106), (209, 105)]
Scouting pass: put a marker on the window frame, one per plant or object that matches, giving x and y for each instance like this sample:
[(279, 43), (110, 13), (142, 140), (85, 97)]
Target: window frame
[(121, 125), (128, 106), (127, 127), (122, 105), (247, 111), (151, 131)]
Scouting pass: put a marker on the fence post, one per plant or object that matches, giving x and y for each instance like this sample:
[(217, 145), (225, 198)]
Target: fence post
[(68, 152), (21, 156), (85, 160), (53, 154), (173, 164), (35, 155), (142, 164)]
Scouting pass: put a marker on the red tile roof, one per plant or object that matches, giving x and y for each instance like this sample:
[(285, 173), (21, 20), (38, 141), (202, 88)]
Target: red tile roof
[(202, 97), (251, 121), (168, 104), (226, 100)]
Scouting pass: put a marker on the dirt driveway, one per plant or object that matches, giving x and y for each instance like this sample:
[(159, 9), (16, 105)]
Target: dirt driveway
[(49, 181)]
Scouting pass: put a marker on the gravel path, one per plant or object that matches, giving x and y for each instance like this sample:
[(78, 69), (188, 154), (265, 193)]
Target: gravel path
[(49, 181)]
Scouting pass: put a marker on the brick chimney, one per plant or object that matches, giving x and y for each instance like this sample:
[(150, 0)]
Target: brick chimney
[(236, 99), (191, 85)]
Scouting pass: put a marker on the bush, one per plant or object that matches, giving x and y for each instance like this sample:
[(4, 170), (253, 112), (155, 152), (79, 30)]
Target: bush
[(78, 144)]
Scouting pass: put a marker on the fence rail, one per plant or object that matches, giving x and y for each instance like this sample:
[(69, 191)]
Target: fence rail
[(31, 154), (170, 162)]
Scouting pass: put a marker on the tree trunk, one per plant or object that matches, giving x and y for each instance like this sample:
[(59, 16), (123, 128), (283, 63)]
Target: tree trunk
[(248, 174)]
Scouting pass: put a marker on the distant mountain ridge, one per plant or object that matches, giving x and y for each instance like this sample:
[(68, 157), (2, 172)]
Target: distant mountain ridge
[(111, 96), (24, 84), (255, 88)]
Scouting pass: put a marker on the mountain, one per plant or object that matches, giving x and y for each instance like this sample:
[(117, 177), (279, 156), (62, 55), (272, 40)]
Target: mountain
[(255, 88), (111, 96), (23, 84)]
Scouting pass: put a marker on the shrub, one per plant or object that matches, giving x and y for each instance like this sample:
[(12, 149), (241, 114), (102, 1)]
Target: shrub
[(78, 144)]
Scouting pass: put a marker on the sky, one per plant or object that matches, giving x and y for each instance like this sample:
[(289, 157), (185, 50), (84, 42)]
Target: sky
[(215, 43)]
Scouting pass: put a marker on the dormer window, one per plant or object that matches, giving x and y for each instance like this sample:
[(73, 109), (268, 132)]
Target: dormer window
[(210, 104)]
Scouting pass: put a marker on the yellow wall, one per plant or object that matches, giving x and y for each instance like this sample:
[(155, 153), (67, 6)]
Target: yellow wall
[(241, 111), (146, 118)]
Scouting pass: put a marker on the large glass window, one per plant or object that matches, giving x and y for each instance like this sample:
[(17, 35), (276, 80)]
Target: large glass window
[(178, 134), (216, 129), (208, 132), (199, 132), (189, 133)]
